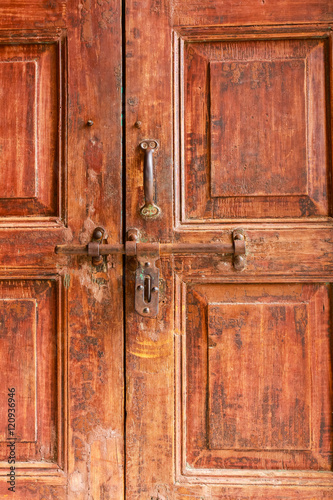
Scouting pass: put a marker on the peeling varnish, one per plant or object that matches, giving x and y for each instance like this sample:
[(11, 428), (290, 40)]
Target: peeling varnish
[(96, 282), (78, 481)]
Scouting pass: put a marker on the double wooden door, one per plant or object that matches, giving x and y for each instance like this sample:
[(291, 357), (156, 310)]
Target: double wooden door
[(227, 392)]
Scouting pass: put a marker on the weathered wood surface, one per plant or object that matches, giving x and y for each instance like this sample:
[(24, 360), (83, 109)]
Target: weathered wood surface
[(59, 179), (229, 390), (222, 387)]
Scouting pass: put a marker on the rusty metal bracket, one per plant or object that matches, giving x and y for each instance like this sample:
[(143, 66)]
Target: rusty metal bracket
[(147, 279), (99, 235), (239, 258), (147, 274)]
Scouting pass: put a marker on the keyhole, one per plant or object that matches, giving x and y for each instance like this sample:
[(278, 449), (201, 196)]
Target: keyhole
[(147, 289)]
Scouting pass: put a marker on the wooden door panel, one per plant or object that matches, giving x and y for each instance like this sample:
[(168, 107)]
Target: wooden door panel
[(17, 15), (252, 107), (32, 77), (238, 95), (33, 364), (224, 13), (61, 318), (258, 395)]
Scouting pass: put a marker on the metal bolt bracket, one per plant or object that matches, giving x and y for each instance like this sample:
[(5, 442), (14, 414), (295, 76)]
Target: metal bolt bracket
[(147, 274), (239, 258), (147, 279), (98, 236)]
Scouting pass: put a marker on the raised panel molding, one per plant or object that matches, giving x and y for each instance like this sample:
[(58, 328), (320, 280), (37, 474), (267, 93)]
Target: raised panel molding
[(251, 125), (18, 364), (33, 126), (18, 139), (32, 338), (258, 124), (258, 354), (253, 383)]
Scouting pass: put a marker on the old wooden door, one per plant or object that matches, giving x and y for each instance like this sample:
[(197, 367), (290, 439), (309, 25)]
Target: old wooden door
[(229, 389), (60, 318)]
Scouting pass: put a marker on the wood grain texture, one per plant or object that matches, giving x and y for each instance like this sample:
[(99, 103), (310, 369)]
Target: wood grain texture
[(250, 12), (32, 127), (80, 405), (19, 343), (38, 490), (95, 308), (271, 128), (30, 343), (252, 118), (18, 129), (251, 343), (231, 62), (260, 408), (35, 15)]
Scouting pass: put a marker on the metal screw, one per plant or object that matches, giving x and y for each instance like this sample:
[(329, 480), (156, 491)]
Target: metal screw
[(90, 123), (147, 264), (146, 310), (140, 287), (154, 289), (138, 124), (144, 145), (152, 145)]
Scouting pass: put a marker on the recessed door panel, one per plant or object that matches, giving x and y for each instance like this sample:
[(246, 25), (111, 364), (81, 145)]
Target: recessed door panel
[(30, 339), (258, 377), (255, 128), (32, 143)]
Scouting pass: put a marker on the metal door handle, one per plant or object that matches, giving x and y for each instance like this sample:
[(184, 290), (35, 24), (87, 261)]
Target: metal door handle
[(147, 274), (149, 209)]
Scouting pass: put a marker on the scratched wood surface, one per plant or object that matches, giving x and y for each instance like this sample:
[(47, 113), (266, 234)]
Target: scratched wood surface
[(61, 319), (222, 386), (227, 348)]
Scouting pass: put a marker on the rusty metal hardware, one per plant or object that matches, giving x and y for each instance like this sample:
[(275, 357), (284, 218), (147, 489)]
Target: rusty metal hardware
[(147, 274), (149, 209), (239, 259), (99, 235), (147, 280)]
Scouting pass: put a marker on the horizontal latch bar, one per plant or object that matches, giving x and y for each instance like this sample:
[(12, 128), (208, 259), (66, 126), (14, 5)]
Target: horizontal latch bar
[(165, 248), (147, 274), (104, 249)]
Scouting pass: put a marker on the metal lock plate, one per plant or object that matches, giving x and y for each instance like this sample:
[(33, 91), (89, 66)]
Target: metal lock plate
[(147, 280)]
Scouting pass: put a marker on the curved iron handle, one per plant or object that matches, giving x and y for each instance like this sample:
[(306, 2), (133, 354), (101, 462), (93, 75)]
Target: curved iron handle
[(149, 209)]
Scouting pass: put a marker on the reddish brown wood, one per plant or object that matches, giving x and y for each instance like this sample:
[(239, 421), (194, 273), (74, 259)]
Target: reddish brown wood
[(229, 390), (32, 127), (255, 125), (254, 388), (61, 319)]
